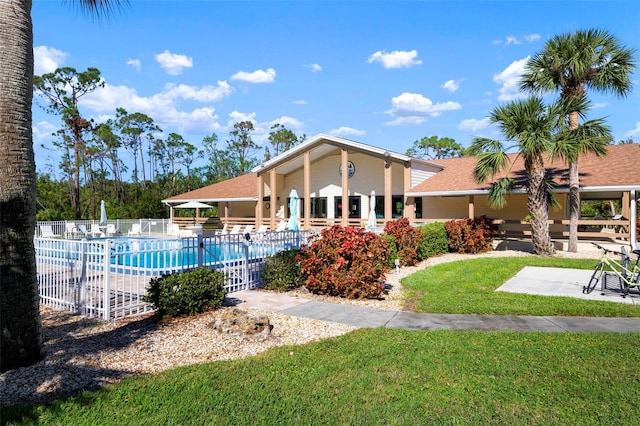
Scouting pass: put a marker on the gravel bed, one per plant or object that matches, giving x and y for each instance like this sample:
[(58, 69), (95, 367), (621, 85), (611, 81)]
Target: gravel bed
[(84, 353)]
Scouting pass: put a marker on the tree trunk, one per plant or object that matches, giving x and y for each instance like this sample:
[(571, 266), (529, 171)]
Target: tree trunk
[(21, 336), (538, 207), (574, 205), (574, 192)]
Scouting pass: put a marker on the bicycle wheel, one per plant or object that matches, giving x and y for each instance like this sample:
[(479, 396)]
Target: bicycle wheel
[(595, 279)]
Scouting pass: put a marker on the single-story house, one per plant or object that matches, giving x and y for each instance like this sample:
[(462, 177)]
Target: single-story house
[(335, 177)]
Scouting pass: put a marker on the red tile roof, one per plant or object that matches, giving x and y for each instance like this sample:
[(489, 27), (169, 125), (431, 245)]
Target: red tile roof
[(244, 186), (620, 167)]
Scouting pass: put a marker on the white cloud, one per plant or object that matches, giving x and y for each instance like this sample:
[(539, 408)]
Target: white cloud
[(108, 98), (598, 105), (452, 85), (532, 37), (634, 134), (200, 94), (135, 63), (163, 107), (47, 59), (314, 67), (288, 122), (509, 79), (395, 59), (259, 76), (300, 102), (43, 130), (512, 40), (473, 125), (403, 121), (173, 63), (237, 116), (347, 131), (416, 105)]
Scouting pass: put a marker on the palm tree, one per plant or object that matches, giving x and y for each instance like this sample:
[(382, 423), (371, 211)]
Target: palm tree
[(21, 336), (530, 125), (571, 64)]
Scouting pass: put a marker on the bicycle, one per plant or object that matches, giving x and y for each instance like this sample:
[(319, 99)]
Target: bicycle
[(627, 272)]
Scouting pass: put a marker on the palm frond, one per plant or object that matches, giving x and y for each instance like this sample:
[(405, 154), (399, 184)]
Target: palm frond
[(550, 192), (489, 164), (100, 8), (497, 191)]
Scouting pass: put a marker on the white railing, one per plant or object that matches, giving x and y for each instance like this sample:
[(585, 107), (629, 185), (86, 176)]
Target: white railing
[(72, 229), (107, 277)]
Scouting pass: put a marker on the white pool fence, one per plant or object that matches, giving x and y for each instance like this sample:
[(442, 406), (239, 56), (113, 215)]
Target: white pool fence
[(107, 277)]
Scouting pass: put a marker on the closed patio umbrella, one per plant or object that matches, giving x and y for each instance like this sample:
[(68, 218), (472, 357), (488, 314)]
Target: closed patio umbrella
[(103, 213), (371, 222), (292, 224)]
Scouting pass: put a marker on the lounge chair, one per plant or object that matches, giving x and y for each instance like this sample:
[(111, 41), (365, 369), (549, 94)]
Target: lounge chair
[(82, 230), (282, 226), (236, 229), (224, 230), (174, 229), (70, 229), (247, 229), (96, 231), (112, 230), (46, 231), (262, 229), (136, 229)]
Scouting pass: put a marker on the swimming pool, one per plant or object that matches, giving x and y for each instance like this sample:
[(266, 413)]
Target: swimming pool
[(185, 253)]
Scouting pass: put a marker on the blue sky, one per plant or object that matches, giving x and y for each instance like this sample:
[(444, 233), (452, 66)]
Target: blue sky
[(381, 73)]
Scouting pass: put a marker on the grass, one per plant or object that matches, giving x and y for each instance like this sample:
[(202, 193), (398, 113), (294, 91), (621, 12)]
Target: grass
[(467, 287), (382, 376)]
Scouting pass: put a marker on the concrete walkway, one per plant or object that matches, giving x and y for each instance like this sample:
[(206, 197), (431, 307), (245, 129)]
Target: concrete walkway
[(531, 280)]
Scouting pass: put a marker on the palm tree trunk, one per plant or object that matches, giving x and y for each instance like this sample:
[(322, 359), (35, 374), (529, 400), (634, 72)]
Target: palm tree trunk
[(538, 207), (21, 336), (574, 205), (574, 191)]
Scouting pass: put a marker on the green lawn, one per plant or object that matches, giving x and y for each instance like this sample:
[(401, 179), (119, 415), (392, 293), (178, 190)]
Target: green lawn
[(467, 287), (383, 376)]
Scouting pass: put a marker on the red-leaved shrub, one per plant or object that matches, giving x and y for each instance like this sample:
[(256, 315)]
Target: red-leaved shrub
[(407, 239), (469, 235), (346, 262)]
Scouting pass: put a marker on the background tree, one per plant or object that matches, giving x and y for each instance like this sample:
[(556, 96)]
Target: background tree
[(136, 129), (63, 89), (281, 140), (571, 63), (20, 333), (530, 126), (241, 148), (431, 148)]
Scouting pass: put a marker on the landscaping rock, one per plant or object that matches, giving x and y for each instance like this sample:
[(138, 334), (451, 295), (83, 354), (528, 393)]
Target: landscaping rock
[(238, 322)]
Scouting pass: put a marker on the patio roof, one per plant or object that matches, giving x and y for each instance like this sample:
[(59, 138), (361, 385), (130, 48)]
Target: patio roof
[(618, 170), (241, 188)]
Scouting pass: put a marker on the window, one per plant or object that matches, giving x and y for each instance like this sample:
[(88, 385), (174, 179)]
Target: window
[(417, 202), (319, 207), (397, 206), (354, 207)]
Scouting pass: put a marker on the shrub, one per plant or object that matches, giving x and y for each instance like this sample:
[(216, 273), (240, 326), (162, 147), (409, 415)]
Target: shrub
[(393, 250), (187, 293), (469, 235), (407, 240), (346, 262), (434, 240), (282, 271)]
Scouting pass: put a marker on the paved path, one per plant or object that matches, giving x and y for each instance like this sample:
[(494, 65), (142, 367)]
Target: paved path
[(531, 280)]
